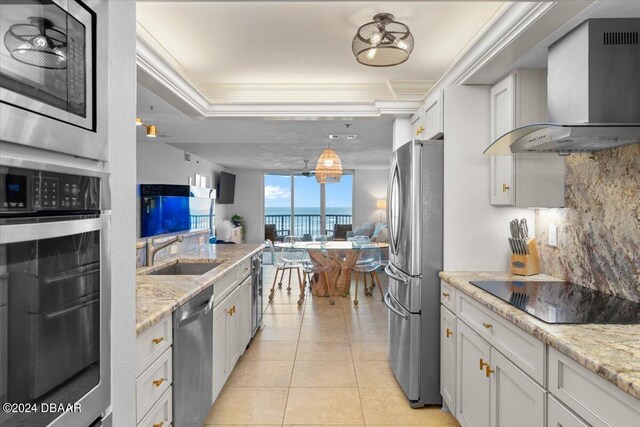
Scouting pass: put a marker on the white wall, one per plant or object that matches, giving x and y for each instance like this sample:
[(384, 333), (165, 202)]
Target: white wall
[(121, 96), (249, 202), (475, 233), (160, 163), (369, 185)]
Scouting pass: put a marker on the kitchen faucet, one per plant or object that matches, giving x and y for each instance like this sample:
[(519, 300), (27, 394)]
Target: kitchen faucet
[(153, 249)]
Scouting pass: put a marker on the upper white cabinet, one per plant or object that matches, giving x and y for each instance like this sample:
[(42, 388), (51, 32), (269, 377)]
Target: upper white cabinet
[(535, 180), (428, 121)]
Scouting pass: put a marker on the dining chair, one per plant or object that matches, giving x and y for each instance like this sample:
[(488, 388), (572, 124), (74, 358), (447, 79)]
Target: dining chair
[(368, 262), (317, 264), (281, 264)]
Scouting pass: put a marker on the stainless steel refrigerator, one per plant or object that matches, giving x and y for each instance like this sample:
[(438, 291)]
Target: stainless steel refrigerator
[(415, 216)]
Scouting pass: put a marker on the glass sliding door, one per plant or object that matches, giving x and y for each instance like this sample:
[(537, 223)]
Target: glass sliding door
[(298, 205), (277, 206), (306, 207), (339, 202)]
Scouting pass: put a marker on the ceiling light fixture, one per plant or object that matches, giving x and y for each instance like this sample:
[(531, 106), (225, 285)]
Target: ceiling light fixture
[(37, 43), (329, 168), (383, 42)]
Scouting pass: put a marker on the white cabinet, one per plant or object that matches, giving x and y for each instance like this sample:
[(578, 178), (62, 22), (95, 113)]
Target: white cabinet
[(448, 358), (535, 180), (506, 377), (491, 390), (433, 116), (559, 415), (428, 121), (154, 374), (516, 400), (220, 348), (472, 389), (231, 332)]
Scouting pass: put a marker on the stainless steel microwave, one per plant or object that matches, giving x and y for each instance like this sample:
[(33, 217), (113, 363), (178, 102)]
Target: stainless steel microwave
[(51, 57)]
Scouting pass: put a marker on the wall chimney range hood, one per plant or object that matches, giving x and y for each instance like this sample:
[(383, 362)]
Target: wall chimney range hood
[(593, 92)]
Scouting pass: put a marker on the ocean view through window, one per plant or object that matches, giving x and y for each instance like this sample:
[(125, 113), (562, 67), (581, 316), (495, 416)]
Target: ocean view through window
[(298, 205)]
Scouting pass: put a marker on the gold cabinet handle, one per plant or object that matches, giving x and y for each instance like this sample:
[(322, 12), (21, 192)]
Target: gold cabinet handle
[(419, 130), (160, 424), (230, 311), (483, 364), (449, 332), (159, 382), (487, 325), (157, 340), (234, 309), (488, 371), (445, 294), (505, 188)]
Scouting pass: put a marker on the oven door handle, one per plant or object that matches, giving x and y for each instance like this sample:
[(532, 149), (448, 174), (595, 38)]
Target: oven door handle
[(75, 307), (16, 233)]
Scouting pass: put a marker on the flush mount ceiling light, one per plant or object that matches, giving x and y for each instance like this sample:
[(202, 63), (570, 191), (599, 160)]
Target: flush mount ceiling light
[(382, 42), (37, 43), (329, 168)]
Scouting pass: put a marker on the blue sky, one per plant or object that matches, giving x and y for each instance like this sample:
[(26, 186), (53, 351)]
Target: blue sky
[(307, 191)]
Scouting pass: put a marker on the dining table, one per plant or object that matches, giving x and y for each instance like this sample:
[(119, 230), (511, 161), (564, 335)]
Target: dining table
[(341, 257)]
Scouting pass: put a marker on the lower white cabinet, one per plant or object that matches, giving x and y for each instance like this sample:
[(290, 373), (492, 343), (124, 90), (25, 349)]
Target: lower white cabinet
[(516, 400), (504, 377), (560, 416), (448, 358), (491, 390), (231, 332)]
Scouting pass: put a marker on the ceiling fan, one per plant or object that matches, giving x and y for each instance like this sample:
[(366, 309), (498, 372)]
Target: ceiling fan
[(305, 171)]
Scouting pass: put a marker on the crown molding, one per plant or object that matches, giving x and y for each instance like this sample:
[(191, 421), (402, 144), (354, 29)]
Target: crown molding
[(166, 78)]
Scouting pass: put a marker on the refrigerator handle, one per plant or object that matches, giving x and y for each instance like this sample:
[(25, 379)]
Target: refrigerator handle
[(387, 269), (387, 302)]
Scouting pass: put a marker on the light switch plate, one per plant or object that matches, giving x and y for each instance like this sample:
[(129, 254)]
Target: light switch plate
[(174, 249), (553, 235)]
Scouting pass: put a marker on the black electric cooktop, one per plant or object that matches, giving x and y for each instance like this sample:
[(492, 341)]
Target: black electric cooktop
[(564, 302)]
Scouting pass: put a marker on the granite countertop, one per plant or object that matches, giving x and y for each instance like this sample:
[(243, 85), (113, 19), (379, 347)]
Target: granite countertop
[(611, 351), (158, 296)]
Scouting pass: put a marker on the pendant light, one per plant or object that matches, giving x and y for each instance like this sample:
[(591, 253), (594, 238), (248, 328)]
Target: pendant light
[(329, 168), (37, 43), (383, 42)]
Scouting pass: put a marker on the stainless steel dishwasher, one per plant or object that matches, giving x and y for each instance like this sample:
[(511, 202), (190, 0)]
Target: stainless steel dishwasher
[(193, 360)]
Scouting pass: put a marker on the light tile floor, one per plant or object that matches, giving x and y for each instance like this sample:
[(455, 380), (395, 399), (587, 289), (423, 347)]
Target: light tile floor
[(318, 364)]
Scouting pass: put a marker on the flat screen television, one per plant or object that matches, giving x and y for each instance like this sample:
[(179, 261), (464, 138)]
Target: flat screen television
[(226, 188)]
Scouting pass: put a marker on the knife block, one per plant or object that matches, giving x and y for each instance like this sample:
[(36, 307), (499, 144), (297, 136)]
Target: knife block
[(526, 265)]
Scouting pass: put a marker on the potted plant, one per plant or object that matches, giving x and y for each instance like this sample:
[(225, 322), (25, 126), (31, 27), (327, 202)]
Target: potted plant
[(238, 221)]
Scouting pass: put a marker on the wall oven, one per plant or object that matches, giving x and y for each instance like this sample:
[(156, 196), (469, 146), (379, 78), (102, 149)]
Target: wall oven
[(51, 83), (54, 295)]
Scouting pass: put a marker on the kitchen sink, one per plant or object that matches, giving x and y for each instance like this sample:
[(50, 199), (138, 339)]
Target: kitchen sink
[(186, 268)]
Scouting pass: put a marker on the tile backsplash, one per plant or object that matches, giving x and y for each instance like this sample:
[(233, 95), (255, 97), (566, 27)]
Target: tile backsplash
[(599, 229)]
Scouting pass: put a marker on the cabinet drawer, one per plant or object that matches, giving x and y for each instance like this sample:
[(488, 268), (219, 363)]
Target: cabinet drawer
[(596, 400), (447, 295), (161, 415), (526, 351), (153, 383), (228, 283), (559, 415), (152, 343)]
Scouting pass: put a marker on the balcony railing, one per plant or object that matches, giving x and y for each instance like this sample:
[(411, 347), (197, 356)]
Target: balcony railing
[(305, 223)]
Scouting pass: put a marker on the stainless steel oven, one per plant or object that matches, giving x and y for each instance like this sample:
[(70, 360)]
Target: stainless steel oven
[(54, 296), (52, 79)]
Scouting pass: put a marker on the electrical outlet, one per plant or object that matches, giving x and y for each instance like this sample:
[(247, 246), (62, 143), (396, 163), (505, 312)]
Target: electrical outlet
[(553, 235), (174, 249), (201, 241)]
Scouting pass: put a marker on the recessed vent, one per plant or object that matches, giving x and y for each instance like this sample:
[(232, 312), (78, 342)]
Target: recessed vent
[(620, 38)]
